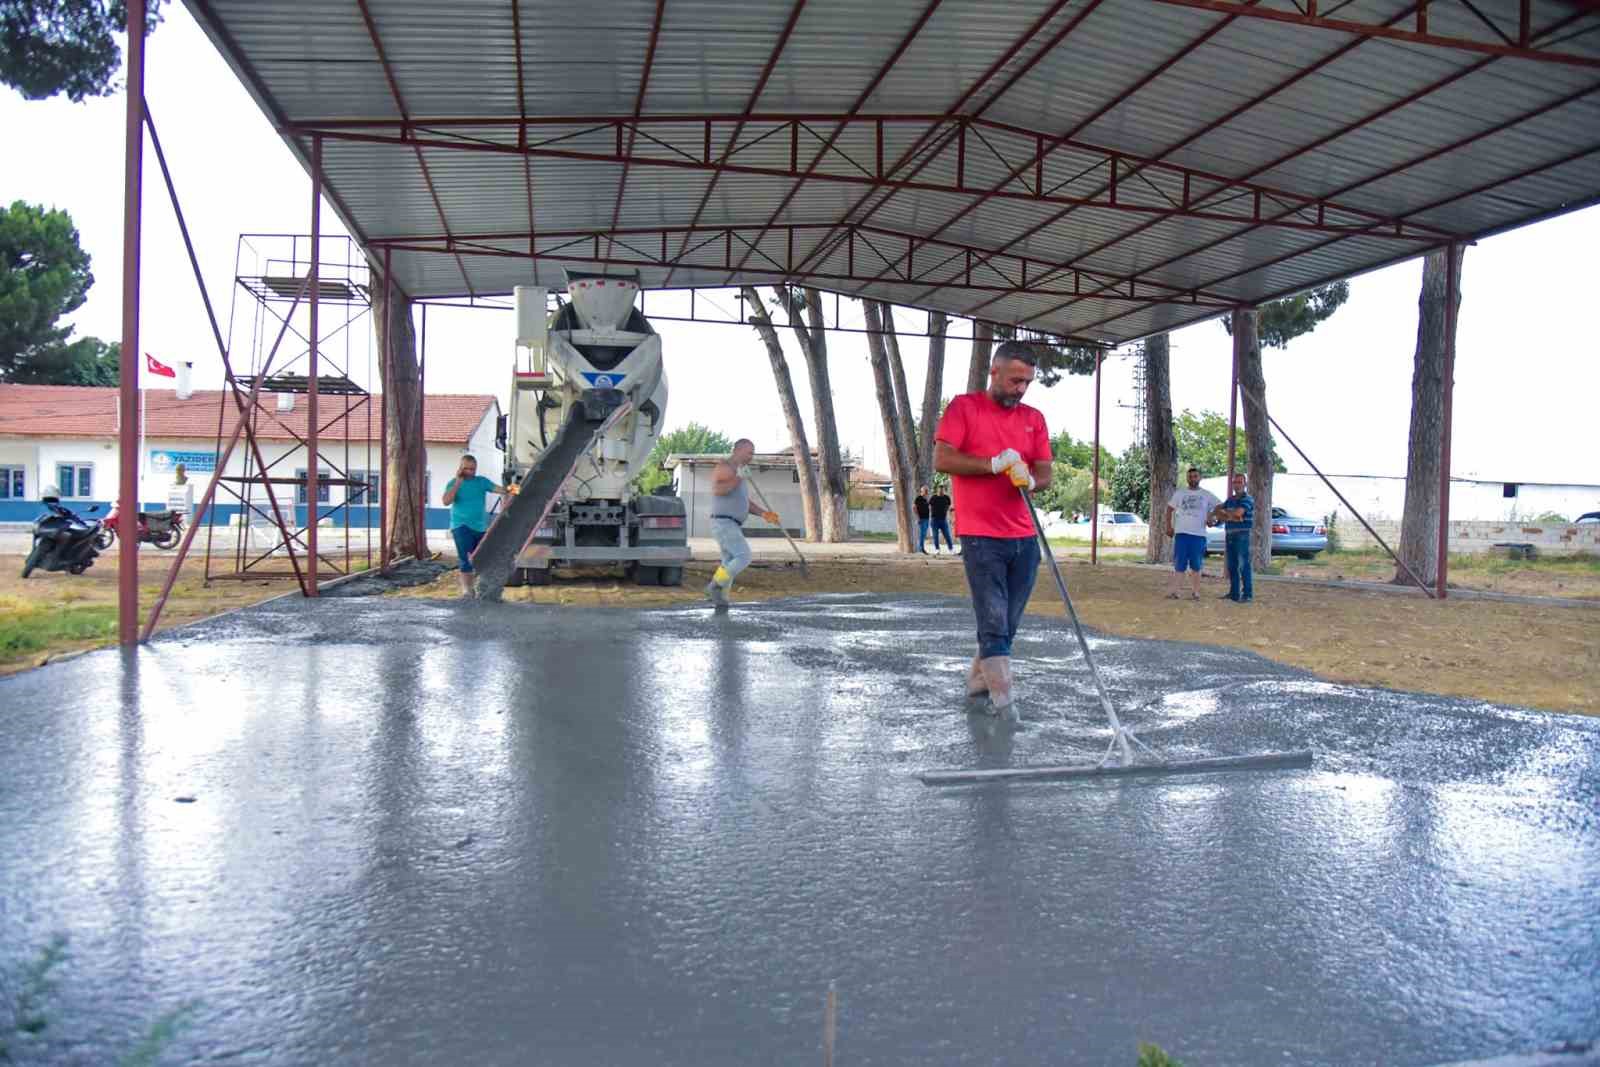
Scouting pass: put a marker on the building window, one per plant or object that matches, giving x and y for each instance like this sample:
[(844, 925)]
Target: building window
[(75, 479), (366, 494), (13, 483), (1509, 491), (300, 490)]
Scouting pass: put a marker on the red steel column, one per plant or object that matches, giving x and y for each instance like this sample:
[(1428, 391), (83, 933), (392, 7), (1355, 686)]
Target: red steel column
[(384, 362), (1094, 479), (422, 435), (1448, 384), (312, 445), (128, 436), (1233, 403)]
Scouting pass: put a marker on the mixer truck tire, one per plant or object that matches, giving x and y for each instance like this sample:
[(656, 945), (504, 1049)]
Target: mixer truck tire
[(672, 576), (643, 575), (536, 575), (517, 578)]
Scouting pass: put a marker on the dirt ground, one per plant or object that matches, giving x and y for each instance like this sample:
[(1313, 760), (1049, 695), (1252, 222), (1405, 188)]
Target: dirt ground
[(1536, 656), (1532, 655)]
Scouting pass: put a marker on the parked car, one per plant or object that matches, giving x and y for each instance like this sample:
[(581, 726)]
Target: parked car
[(1589, 516), (1291, 535), (1120, 518)]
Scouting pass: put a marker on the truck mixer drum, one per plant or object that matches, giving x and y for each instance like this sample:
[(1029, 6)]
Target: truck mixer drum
[(596, 366)]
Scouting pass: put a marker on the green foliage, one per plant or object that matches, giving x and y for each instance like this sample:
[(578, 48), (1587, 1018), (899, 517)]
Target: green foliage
[(1330, 522), (1282, 321), (23, 998), (1550, 516), (27, 628), (1130, 484), (1080, 454), (86, 361), (44, 274), (65, 46), (1153, 1056), (162, 1033), (1071, 489), (1203, 442), (693, 439)]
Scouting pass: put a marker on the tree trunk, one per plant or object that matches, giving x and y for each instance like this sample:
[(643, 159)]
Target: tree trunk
[(402, 452), (893, 427), (833, 489), (932, 395), (798, 443), (978, 369), (1419, 526), (1258, 436), (1162, 445), (902, 399)]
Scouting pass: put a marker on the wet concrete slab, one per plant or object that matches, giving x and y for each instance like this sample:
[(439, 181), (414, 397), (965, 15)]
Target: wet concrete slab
[(430, 832)]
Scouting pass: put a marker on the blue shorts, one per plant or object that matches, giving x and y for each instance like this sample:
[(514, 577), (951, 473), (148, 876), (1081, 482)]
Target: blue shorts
[(466, 543), (1188, 552)]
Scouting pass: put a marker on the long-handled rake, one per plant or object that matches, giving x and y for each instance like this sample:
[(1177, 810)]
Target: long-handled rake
[(763, 498), (1123, 740)]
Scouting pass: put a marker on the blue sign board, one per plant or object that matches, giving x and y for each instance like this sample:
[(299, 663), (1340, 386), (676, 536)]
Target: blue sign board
[(163, 461)]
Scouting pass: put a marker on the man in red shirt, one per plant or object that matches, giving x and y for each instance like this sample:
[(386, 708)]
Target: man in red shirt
[(992, 444)]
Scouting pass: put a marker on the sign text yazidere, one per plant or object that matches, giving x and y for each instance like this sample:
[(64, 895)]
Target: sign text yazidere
[(163, 461)]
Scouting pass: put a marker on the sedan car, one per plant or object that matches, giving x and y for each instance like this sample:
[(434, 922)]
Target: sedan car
[(1290, 536)]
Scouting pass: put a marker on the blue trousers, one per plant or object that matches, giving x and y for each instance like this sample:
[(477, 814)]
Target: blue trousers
[(1238, 545), (938, 526), (1000, 573), (466, 539)]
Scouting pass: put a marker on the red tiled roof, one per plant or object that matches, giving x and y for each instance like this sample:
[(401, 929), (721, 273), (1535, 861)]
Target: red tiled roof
[(91, 411)]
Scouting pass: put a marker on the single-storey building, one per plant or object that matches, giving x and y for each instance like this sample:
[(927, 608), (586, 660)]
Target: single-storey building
[(774, 473), (68, 437)]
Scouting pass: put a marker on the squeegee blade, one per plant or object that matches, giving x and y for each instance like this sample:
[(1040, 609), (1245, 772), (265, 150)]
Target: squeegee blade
[(1261, 762)]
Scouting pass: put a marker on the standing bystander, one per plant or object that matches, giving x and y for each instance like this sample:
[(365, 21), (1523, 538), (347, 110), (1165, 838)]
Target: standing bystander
[(1239, 513), (469, 517), (1188, 512)]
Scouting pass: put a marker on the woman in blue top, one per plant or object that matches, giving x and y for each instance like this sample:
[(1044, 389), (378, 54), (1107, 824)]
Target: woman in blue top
[(469, 518)]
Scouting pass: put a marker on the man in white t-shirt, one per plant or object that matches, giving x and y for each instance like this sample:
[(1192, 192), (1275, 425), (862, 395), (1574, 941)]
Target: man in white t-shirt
[(1188, 512)]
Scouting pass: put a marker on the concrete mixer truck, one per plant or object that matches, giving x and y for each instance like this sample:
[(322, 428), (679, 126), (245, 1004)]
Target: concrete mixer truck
[(588, 398)]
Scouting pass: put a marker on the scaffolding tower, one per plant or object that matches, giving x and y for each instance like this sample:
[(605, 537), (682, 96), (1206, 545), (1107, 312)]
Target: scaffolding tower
[(264, 535)]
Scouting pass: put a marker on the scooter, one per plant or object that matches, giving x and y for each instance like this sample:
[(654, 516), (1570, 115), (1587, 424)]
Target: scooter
[(160, 528), (62, 540)]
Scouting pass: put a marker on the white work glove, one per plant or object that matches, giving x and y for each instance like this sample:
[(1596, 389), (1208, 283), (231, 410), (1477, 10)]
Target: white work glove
[(743, 472), (1020, 476), (1010, 457)]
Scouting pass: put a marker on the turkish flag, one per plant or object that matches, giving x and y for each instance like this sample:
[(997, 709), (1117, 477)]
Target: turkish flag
[(155, 366)]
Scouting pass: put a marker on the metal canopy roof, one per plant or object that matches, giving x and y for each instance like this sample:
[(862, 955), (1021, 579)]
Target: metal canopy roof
[(1104, 169)]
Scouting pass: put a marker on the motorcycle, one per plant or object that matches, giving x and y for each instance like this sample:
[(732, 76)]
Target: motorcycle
[(62, 540), (160, 528)]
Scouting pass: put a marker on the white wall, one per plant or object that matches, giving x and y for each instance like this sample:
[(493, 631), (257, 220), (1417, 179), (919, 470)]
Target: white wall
[(1385, 498), (779, 484)]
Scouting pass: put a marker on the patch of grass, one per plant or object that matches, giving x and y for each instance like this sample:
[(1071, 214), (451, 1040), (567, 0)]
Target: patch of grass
[(1153, 1056), (27, 627), (23, 999)]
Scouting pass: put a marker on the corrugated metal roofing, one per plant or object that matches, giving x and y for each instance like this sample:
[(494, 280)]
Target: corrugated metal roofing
[(1454, 141)]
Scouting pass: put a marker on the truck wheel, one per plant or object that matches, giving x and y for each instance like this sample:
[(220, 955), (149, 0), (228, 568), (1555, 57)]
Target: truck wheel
[(517, 578), (643, 575), (537, 575), (671, 575)]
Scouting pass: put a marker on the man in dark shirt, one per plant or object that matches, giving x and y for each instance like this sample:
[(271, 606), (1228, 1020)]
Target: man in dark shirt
[(1240, 512), (921, 504), (939, 508)]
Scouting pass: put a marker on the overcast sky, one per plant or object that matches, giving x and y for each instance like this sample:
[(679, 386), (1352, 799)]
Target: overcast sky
[(1527, 369)]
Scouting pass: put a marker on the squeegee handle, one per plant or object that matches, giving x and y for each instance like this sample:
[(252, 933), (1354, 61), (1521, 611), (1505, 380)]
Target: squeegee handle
[(1077, 627), (781, 529)]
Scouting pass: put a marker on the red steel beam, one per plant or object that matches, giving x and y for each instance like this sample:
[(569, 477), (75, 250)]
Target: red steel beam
[(1215, 124), (1327, 138), (1420, 36), (405, 115), (983, 79), (1374, 226), (1434, 154), (386, 362), (522, 135), (1094, 478), (1047, 146), (128, 433), (749, 107), (855, 110), (314, 281), (638, 106), (634, 237)]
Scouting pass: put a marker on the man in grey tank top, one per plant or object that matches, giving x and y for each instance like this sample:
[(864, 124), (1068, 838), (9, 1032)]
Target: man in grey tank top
[(730, 506)]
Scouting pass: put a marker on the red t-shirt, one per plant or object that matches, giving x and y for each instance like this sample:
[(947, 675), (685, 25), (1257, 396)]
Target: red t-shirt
[(988, 505)]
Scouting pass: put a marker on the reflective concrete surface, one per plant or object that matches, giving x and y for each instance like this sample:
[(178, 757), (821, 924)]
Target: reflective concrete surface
[(428, 832)]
